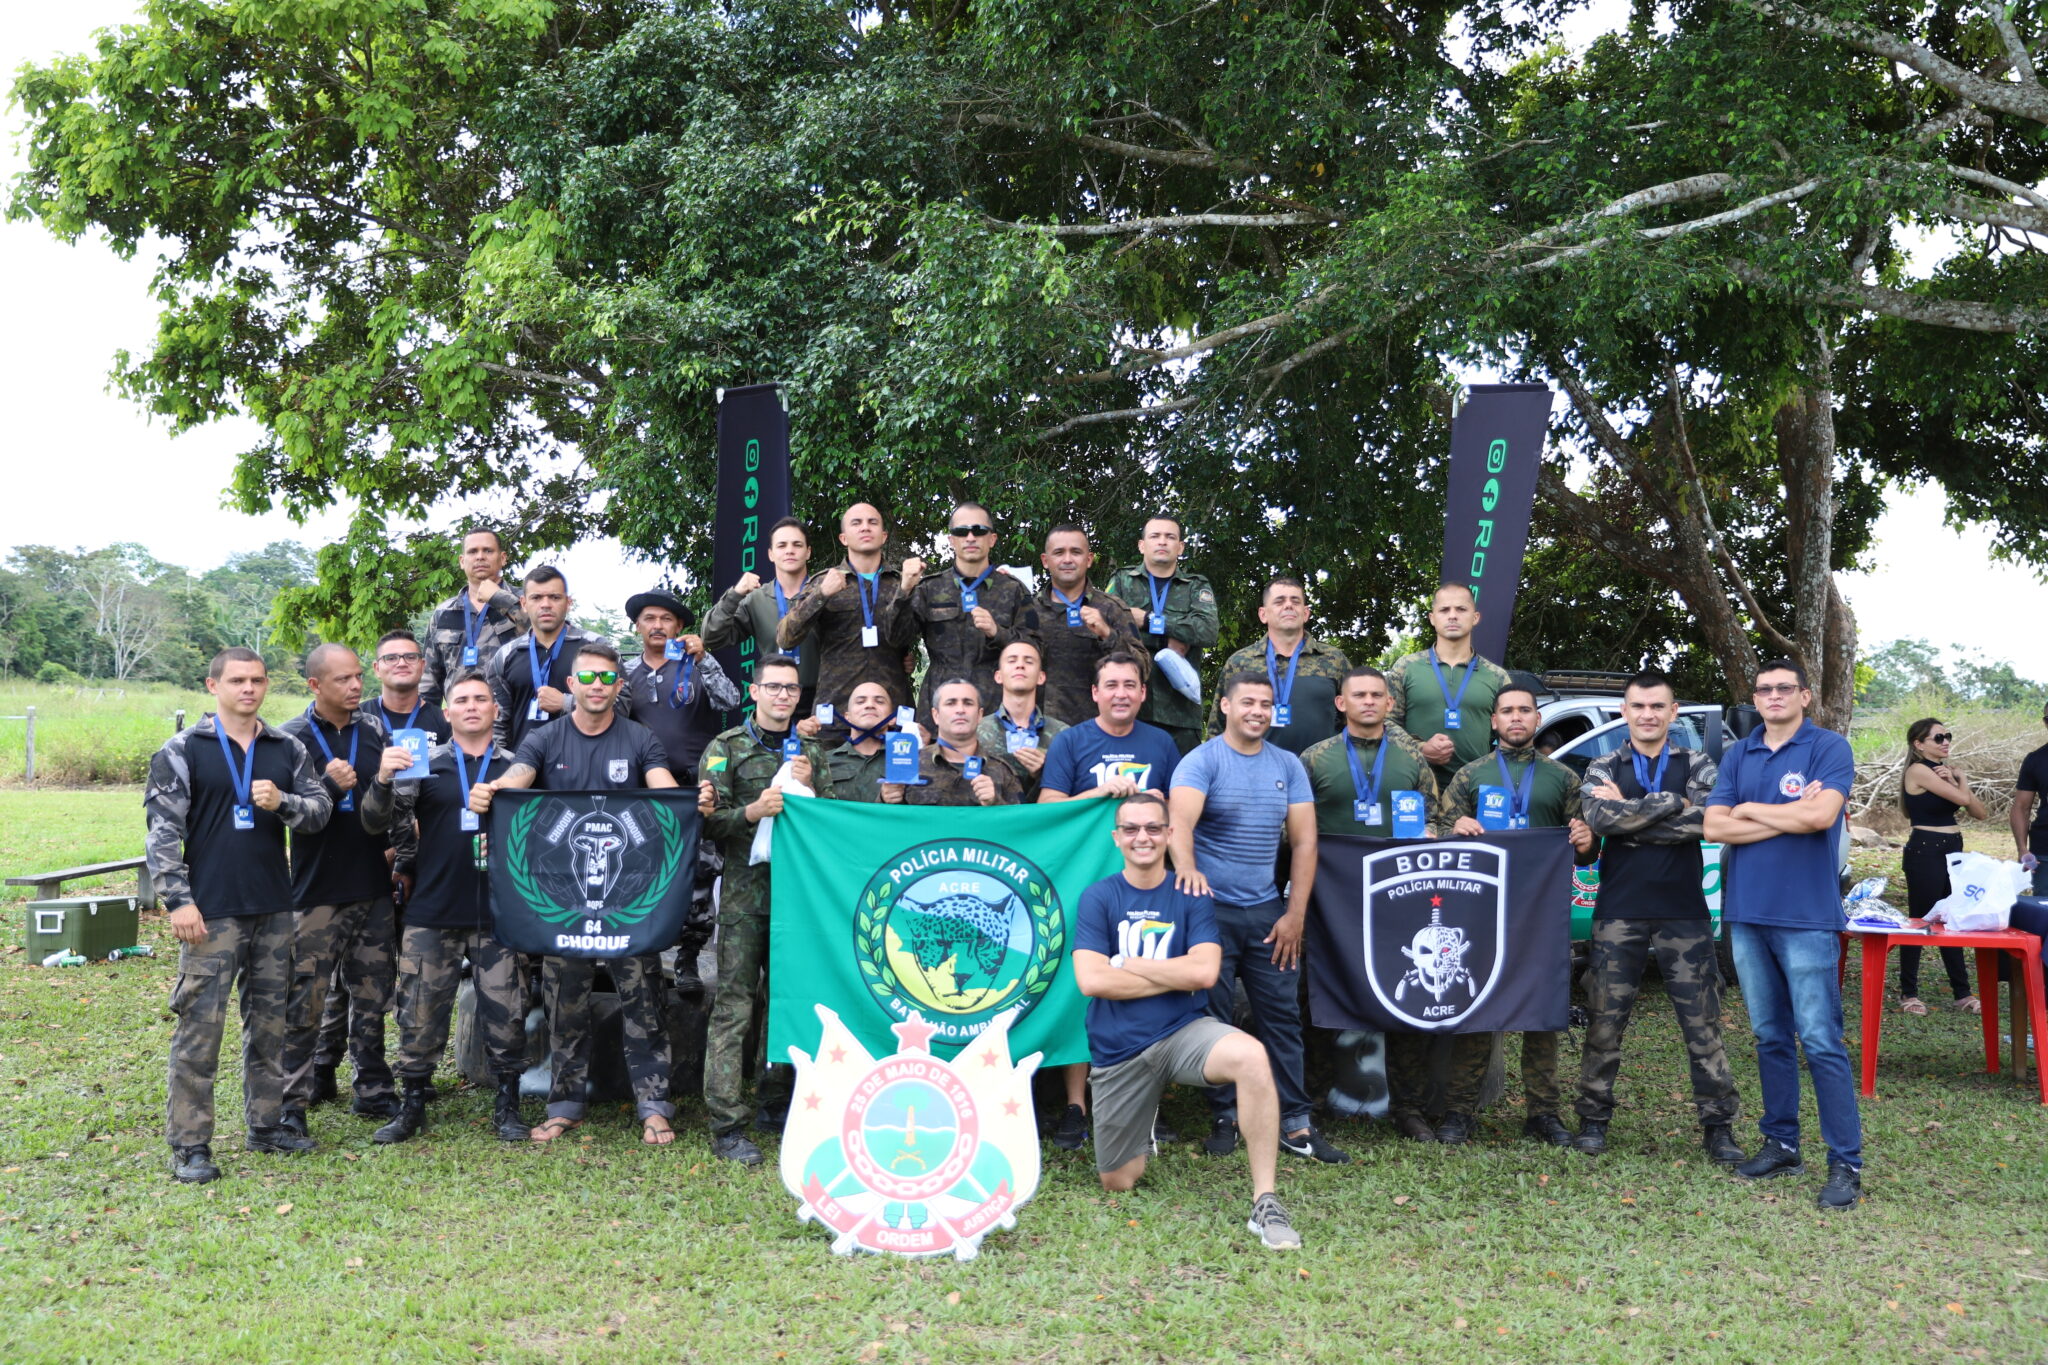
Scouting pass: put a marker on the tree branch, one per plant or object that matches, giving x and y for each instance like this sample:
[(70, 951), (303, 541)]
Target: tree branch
[(1154, 359), (2022, 60), (2020, 217), (1117, 415), (1659, 234), (1169, 156), (1656, 196), (2000, 184), (1963, 315), (2029, 100), (1586, 519), (535, 376), (1173, 222)]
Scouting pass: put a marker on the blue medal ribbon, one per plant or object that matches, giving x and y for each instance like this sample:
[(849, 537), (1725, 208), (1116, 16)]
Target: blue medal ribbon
[(1518, 800), (781, 746), (1283, 695), (1011, 727), (1155, 624), (1452, 705), (348, 798), (242, 779), (869, 603), (1368, 792), (680, 697), (1073, 606), (782, 609), (472, 628), (1652, 780), (970, 592), (386, 712), (541, 675), (470, 819)]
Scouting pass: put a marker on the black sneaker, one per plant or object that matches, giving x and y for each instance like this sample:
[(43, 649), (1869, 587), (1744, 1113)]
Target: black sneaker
[(1269, 1220), (1546, 1128), (1162, 1135), (1457, 1129), (1222, 1139), (1592, 1138), (1312, 1146), (736, 1146), (1772, 1160), (1844, 1189), (295, 1119), (1720, 1145), (194, 1165), (1072, 1131), (279, 1140)]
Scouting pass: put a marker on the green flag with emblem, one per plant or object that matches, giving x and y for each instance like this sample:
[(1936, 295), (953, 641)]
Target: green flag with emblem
[(956, 914)]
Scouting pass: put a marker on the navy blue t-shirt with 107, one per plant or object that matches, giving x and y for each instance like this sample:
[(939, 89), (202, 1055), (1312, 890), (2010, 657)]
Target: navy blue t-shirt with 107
[(1085, 756), (1119, 920)]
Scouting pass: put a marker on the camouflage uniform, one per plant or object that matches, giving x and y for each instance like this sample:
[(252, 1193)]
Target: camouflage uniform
[(1681, 937), (954, 646), (857, 776), (995, 744), (445, 642), (830, 627), (255, 949), (1191, 619), (749, 624), (946, 785), (566, 984), (1553, 801), (739, 768), (1419, 705), (1329, 775), (345, 953), (1070, 652), (1325, 663)]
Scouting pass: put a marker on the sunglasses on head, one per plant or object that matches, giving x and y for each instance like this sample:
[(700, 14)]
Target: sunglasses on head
[(964, 530), (587, 676)]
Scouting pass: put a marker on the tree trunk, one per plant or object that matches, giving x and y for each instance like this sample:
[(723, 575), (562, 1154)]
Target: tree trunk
[(1822, 626)]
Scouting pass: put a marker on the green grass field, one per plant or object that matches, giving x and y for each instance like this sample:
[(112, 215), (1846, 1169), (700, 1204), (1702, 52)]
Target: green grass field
[(105, 734), (457, 1247)]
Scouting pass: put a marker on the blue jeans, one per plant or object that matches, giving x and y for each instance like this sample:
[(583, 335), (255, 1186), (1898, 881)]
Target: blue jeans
[(1788, 977), (1276, 1007)]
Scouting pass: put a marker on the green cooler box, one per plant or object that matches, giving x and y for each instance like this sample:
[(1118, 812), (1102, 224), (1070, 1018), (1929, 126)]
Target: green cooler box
[(91, 927)]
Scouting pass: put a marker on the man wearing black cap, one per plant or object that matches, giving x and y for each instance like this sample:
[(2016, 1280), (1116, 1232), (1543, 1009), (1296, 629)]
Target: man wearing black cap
[(677, 689)]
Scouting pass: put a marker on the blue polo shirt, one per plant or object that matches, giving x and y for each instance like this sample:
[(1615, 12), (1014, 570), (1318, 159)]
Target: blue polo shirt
[(1791, 881)]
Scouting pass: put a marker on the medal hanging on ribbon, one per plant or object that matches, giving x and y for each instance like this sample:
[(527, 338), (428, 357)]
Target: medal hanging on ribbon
[(471, 821), (348, 798), (472, 626), (1366, 806), (539, 674), (1652, 781), (970, 596), (782, 610), (242, 779), (679, 695), (1453, 706), (970, 767), (870, 634), (1517, 799), (1073, 606), (1283, 694), (1409, 818), (672, 651), (1155, 624)]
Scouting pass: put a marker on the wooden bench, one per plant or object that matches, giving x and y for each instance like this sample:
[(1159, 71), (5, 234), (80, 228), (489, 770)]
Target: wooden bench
[(50, 885)]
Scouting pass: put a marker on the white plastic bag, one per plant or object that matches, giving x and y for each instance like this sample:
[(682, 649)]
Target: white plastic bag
[(764, 833), (1981, 892)]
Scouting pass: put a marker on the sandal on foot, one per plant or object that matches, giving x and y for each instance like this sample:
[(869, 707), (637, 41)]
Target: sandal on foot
[(1912, 1005), (551, 1128), (653, 1136), (1970, 1004)]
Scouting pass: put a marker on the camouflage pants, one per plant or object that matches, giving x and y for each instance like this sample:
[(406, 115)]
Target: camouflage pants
[(703, 914), (429, 969), (1541, 1091), (643, 1025), (359, 942), (1684, 949), (257, 951), (1407, 1074), (742, 992)]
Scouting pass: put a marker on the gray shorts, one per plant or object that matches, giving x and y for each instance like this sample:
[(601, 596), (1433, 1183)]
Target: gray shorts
[(1127, 1094)]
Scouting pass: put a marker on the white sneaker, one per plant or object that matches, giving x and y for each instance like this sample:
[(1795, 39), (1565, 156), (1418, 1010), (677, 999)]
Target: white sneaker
[(1269, 1220)]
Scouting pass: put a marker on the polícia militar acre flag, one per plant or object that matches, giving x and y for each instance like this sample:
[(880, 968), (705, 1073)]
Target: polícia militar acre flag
[(592, 874), (1442, 935), (955, 914)]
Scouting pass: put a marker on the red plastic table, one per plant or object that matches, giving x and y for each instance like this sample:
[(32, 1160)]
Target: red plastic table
[(1989, 944)]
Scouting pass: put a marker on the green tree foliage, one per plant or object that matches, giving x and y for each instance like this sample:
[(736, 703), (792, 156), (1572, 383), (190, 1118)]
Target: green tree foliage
[(1913, 667)]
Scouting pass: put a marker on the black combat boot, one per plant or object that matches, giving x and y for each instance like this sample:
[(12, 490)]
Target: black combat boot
[(1456, 1129), (1546, 1128), (194, 1165), (279, 1139), (1719, 1140), (295, 1119), (1592, 1138), (324, 1088), (412, 1113), (505, 1115), (378, 1107)]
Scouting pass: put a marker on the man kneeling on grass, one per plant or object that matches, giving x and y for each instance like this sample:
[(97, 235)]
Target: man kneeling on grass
[(1146, 954)]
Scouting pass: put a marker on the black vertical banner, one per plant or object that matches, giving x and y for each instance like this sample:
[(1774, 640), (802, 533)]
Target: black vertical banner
[(753, 494), (1496, 446)]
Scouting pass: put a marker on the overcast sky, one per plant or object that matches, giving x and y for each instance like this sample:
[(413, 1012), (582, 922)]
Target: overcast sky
[(87, 468)]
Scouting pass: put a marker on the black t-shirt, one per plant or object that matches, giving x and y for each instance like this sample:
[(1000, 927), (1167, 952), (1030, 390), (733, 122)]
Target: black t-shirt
[(236, 872), (512, 671), (1651, 881), (428, 717), (2034, 778), (343, 862), (567, 760), (683, 728), (448, 892)]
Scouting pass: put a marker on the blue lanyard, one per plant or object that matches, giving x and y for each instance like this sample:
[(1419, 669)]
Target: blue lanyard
[(541, 675), (1010, 727), (856, 736), (1073, 605), (967, 590), (1452, 703), (242, 779), (782, 609), (762, 740), (1283, 696), (1159, 591), (408, 720), (680, 697), (869, 605), (1652, 782), (354, 733), (472, 621), (1367, 792), (1518, 801), (483, 767)]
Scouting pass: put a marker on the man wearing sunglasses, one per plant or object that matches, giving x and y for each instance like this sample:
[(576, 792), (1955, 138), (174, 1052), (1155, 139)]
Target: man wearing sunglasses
[(967, 614), (1146, 953), (596, 749), (1778, 807), (399, 664), (1171, 609), (741, 767)]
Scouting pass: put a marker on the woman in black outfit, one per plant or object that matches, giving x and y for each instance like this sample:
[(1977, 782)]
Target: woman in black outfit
[(1930, 792)]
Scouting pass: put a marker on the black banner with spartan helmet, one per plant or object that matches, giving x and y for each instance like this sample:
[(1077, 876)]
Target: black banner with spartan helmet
[(1442, 935), (1496, 446), (592, 874)]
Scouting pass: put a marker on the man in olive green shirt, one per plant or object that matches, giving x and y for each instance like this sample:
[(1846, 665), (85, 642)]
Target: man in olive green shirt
[(1444, 694), (1018, 732), (1171, 609), (1531, 792), (751, 610), (856, 766), (1303, 670)]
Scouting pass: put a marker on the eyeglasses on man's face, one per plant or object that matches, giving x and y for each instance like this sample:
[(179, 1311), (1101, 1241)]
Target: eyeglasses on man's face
[(411, 658), (779, 689), (1790, 689), (587, 676), (1131, 831), (962, 531)]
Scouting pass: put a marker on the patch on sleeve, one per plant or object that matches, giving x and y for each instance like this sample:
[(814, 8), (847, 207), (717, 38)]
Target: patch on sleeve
[(714, 763)]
